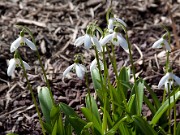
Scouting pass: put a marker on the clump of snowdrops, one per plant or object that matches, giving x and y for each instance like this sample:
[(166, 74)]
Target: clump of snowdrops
[(120, 108)]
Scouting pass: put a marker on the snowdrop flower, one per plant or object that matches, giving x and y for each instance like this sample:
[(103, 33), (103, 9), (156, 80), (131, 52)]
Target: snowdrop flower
[(19, 40), (79, 68), (94, 65), (111, 23), (116, 39), (168, 80), (12, 65), (159, 43), (88, 40)]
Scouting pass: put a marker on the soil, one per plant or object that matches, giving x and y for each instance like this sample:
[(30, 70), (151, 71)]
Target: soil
[(55, 25)]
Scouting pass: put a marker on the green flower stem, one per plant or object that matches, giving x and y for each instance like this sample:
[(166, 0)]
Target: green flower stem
[(132, 64), (106, 78), (169, 110), (130, 54), (99, 66), (104, 123), (89, 93), (32, 93), (38, 56), (116, 74), (174, 112), (113, 61)]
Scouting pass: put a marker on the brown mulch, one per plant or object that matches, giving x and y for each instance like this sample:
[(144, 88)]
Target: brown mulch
[(56, 24)]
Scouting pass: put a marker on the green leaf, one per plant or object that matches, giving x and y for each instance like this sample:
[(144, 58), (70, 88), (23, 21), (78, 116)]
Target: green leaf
[(178, 129), (92, 105), (154, 97), (149, 104), (164, 108), (78, 124), (143, 125), (46, 103), (60, 125), (140, 90), (115, 127), (91, 118), (68, 111), (48, 127), (96, 79), (131, 101), (54, 114), (124, 80), (54, 132)]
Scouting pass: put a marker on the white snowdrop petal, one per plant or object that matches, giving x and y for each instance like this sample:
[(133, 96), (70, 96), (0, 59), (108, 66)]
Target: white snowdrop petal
[(93, 65), (121, 21), (167, 45), (96, 43), (15, 44), (110, 24), (79, 71), (157, 44), (68, 69), (163, 80), (176, 78), (106, 39), (11, 67), (123, 43), (30, 44), (101, 65), (79, 41), (87, 41), (26, 65), (82, 67)]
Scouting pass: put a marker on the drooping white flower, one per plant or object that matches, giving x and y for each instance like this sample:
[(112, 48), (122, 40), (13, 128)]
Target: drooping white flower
[(20, 40), (12, 65), (111, 22), (94, 65), (88, 40), (116, 39), (168, 80), (79, 68), (159, 44)]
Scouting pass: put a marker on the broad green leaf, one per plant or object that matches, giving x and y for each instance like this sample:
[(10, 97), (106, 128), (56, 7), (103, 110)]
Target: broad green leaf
[(68, 111), (140, 90), (123, 79), (149, 104), (48, 127), (164, 108), (178, 129), (46, 102), (67, 127), (130, 102), (124, 130), (153, 95), (143, 125), (54, 132), (78, 124), (91, 118), (94, 107), (60, 125), (96, 79), (113, 130), (54, 114)]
